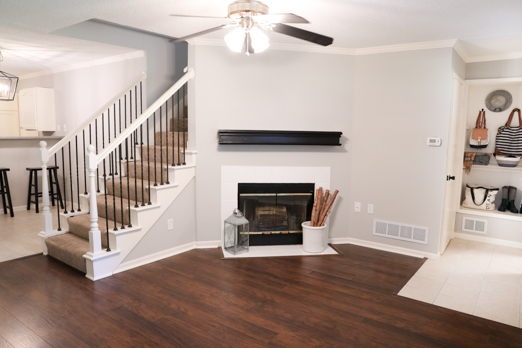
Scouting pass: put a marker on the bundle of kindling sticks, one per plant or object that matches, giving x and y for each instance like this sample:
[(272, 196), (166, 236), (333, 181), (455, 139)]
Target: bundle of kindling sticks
[(322, 206)]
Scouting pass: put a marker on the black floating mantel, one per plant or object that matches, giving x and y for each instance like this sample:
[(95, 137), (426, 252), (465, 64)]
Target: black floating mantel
[(277, 137)]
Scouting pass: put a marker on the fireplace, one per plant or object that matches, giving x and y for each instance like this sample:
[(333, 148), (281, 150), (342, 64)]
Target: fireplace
[(275, 211)]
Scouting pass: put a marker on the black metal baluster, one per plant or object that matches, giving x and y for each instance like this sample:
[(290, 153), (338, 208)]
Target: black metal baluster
[(128, 178), (70, 179), (64, 184), (172, 130), (148, 159), (161, 148), (155, 163), (97, 169), (109, 136), (57, 184), (106, 207), (135, 179), (115, 166), (136, 115), (179, 113), (184, 130), (84, 164), (132, 134), (141, 154), (113, 189), (77, 174), (167, 139), (121, 189)]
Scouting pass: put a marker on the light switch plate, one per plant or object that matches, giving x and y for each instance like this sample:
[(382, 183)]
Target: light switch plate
[(370, 208), (170, 224)]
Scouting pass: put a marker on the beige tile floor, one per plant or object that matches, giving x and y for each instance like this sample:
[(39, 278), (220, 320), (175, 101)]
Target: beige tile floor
[(481, 279), (19, 234)]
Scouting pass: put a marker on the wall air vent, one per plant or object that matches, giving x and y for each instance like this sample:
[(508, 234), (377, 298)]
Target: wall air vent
[(474, 225), (409, 233)]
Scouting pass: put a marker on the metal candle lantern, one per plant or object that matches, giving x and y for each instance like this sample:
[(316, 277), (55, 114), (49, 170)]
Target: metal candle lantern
[(236, 233)]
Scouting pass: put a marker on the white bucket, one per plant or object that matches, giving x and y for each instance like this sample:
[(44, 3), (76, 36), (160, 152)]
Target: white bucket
[(313, 238)]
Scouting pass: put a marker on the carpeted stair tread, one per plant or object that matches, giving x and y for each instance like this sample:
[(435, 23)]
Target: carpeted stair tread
[(80, 225), (100, 200), (179, 124), (129, 189), (148, 153), (69, 249), (175, 138), (147, 167)]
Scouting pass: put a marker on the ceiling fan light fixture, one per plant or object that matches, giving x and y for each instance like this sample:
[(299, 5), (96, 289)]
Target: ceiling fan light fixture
[(259, 40), (235, 40)]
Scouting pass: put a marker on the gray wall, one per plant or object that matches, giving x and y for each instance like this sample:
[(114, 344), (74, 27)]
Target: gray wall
[(494, 69), (386, 105), (274, 90), (165, 60), (401, 99), (81, 92), (159, 238), (458, 64)]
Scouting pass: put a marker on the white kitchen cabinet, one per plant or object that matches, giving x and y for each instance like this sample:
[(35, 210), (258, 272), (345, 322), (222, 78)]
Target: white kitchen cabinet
[(37, 112), (9, 125)]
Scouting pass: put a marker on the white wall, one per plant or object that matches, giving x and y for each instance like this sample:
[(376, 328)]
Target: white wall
[(401, 99), (275, 90)]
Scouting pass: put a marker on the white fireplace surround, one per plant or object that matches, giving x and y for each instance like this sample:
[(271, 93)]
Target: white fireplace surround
[(232, 175)]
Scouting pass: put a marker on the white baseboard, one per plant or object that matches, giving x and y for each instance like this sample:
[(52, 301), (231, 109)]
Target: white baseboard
[(208, 245), (384, 247), (125, 266), (488, 240)]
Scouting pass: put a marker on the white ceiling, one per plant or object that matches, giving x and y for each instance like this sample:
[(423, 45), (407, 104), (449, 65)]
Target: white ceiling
[(484, 27)]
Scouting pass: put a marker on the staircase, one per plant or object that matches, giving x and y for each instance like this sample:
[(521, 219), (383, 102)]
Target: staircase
[(133, 169)]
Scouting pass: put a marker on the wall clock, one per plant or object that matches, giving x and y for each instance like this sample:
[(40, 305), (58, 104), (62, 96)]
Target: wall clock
[(499, 100)]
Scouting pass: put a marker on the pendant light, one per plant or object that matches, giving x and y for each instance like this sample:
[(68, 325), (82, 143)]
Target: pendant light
[(8, 84)]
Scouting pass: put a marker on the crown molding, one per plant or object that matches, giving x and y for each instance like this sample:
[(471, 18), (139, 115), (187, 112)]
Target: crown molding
[(506, 56), (405, 47), (92, 63)]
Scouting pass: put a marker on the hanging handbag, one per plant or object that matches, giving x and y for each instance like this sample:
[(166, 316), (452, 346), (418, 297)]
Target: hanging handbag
[(509, 139), (479, 138), (480, 197)]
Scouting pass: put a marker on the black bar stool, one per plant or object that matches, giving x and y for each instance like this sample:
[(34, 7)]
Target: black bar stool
[(4, 190), (53, 183)]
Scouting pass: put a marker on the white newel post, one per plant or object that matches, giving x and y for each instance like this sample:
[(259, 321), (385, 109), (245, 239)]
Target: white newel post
[(47, 217), (94, 233)]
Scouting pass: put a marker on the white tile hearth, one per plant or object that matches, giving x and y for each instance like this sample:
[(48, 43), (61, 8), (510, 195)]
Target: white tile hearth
[(278, 251), (476, 278)]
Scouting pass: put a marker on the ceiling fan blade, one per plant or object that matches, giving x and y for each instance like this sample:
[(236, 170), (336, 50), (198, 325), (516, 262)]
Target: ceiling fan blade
[(303, 34), (184, 38), (178, 15), (282, 18)]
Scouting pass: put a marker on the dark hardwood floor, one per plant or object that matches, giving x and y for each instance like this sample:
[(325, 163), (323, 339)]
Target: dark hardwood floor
[(196, 299)]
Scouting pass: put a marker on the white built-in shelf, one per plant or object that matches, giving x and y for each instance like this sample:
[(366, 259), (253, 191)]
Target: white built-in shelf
[(490, 213), (497, 168)]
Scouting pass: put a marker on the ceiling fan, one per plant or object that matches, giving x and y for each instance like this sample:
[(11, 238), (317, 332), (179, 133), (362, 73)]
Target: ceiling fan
[(247, 16)]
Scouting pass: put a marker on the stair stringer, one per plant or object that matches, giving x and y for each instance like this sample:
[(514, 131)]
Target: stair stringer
[(106, 264)]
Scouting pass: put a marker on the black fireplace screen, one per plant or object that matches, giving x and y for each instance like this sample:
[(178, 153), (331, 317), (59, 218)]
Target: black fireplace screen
[(276, 211)]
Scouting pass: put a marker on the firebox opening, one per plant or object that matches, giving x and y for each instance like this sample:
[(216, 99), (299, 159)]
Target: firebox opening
[(276, 211)]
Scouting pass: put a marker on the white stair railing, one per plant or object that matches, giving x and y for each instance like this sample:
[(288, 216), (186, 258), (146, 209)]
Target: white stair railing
[(90, 132)]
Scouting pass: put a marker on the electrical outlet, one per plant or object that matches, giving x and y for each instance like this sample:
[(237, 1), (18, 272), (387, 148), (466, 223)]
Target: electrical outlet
[(58, 127), (64, 127), (357, 207), (370, 208), (170, 224)]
